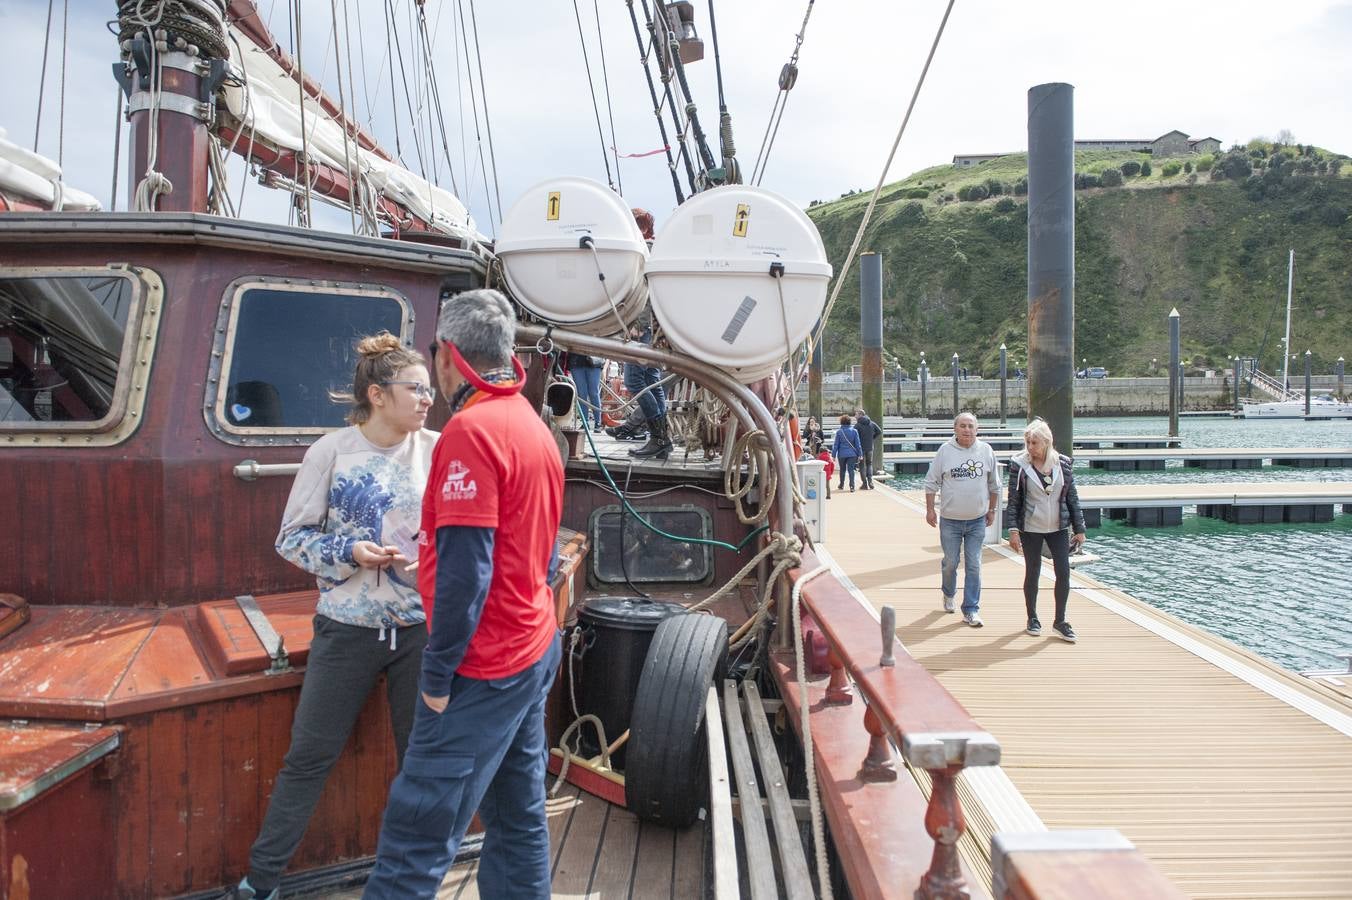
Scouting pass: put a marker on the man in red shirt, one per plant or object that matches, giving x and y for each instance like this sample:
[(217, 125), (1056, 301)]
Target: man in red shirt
[(490, 515)]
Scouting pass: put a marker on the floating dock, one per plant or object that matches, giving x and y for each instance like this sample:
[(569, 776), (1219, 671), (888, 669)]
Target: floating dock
[(1233, 775), (1155, 459), (1237, 503)]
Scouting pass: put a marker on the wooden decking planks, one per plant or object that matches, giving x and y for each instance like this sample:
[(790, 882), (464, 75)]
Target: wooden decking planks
[(1232, 792), (604, 851)]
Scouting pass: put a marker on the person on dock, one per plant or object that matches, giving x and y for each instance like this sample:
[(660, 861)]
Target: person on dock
[(813, 436), (963, 474), (490, 515), (1044, 508), (585, 371), (847, 450), (868, 433), (351, 521), (824, 455)]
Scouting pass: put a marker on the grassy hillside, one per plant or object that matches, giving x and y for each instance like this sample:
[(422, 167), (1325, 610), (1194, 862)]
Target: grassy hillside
[(954, 272)]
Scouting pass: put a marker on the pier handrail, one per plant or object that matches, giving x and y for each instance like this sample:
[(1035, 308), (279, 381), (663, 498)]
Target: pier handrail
[(1274, 387), (908, 708)]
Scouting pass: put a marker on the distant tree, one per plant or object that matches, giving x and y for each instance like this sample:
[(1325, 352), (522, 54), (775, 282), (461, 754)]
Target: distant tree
[(1335, 165), (1204, 162), (1145, 167), (1130, 168), (1111, 177), (995, 187), (1333, 216), (1305, 166), (1005, 205), (1257, 152), (1235, 166), (1021, 187), (1187, 165), (1170, 170)]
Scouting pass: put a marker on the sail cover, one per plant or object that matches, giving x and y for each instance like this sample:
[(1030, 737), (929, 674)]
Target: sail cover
[(266, 102), (36, 177)]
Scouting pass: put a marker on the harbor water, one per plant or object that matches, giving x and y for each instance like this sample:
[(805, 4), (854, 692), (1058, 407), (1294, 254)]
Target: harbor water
[(1281, 591)]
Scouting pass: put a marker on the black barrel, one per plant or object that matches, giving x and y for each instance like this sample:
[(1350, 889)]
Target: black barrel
[(616, 633)]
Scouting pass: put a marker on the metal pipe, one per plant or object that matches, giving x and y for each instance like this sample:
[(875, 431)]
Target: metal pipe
[(871, 342), (252, 470), (1338, 370), (1175, 375), (740, 400), (1004, 387), (1237, 376), (814, 379), (1051, 258)]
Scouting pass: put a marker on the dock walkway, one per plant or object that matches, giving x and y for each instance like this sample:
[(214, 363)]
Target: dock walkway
[(1232, 774), (1155, 459)]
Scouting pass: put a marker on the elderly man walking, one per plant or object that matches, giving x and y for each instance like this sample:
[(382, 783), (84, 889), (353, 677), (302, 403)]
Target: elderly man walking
[(963, 475)]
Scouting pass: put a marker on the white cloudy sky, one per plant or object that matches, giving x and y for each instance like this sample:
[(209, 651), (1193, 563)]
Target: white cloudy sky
[(1233, 70)]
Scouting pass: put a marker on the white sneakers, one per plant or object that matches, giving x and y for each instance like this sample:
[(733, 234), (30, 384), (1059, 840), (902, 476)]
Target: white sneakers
[(950, 603)]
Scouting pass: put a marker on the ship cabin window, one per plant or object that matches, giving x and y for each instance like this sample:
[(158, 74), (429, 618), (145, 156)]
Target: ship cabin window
[(65, 348), (646, 556), (286, 350)]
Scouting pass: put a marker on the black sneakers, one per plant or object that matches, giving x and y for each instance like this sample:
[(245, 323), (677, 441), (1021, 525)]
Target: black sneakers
[(1034, 627), (1065, 631)]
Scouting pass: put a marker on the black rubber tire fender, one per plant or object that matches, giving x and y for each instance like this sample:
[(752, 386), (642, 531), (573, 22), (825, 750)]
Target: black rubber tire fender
[(666, 773)]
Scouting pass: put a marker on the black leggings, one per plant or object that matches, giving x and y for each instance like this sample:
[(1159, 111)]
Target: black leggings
[(1059, 544)]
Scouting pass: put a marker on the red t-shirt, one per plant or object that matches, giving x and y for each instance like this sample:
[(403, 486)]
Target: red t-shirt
[(496, 466)]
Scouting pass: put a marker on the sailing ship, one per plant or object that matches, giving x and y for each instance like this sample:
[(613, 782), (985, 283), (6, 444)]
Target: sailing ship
[(163, 370)]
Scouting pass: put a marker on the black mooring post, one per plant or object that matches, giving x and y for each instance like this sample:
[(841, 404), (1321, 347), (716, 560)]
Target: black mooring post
[(1175, 375), (1004, 390), (1237, 375), (955, 385), (1308, 359), (923, 374)]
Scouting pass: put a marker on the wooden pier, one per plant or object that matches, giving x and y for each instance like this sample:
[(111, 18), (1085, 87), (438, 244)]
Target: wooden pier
[(1233, 775)]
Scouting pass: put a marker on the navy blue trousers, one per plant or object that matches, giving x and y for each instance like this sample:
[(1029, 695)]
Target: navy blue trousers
[(487, 752)]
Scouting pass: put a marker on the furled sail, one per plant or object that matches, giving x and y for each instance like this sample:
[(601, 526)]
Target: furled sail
[(267, 104), (27, 174)]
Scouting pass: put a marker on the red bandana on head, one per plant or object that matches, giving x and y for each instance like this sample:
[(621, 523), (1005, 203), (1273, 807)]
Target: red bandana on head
[(482, 384)]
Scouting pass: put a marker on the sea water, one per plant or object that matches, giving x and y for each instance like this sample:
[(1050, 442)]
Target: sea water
[(1281, 591)]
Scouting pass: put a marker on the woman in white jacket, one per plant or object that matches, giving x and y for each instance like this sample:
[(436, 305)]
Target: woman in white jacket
[(1044, 508)]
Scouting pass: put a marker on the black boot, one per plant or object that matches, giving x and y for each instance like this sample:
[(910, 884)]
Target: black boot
[(633, 428), (659, 441)]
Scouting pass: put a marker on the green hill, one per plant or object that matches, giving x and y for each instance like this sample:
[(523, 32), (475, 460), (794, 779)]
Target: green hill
[(1211, 240)]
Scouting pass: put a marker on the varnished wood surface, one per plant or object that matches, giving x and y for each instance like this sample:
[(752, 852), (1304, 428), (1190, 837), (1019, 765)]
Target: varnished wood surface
[(1221, 767), (31, 752)]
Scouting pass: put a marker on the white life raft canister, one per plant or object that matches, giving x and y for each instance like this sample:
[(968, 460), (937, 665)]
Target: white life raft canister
[(738, 278), (553, 242)]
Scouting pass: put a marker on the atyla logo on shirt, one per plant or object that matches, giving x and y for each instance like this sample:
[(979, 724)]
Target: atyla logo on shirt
[(458, 485), (972, 468)]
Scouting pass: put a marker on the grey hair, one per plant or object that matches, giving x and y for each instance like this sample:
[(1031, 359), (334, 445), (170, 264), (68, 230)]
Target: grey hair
[(965, 415), (482, 326)]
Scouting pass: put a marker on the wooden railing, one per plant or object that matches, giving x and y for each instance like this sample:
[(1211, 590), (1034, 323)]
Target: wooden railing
[(906, 708)]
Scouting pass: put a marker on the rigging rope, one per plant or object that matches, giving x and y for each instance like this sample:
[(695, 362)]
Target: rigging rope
[(304, 160), (605, 78), (483, 89), (434, 90), (42, 79), (788, 77), (117, 150), (591, 87), (882, 177), (342, 109), (657, 109), (61, 112)]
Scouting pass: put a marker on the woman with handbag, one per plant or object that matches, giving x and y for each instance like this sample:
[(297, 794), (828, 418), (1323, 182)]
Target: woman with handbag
[(1044, 508)]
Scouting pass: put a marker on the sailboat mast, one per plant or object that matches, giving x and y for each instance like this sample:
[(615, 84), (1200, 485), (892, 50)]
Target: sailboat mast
[(1286, 344)]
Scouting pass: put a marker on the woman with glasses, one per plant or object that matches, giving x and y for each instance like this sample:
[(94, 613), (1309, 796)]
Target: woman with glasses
[(352, 521)]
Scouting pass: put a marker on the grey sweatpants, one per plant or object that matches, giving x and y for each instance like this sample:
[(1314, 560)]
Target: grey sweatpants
[(344, 663)]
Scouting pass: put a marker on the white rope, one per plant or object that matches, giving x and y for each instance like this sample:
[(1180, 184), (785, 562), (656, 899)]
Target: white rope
[(882, 176), (154, 184), (809, 751)]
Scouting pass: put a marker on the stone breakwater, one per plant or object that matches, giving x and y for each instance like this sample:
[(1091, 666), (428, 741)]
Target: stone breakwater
[(1093, 396)]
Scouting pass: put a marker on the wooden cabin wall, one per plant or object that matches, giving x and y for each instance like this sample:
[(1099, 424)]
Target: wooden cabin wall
[(192, 786), (160, 519)]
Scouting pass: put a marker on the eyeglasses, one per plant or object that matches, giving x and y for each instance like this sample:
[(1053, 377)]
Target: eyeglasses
[(420, 390)]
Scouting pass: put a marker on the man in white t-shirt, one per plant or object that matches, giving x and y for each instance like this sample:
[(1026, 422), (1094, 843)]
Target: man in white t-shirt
[(963, 475)]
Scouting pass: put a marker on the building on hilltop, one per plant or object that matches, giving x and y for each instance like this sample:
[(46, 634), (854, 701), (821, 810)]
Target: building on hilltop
[(1171, 143)]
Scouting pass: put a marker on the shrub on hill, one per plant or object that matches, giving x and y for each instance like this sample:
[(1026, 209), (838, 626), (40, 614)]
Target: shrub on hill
[(916, 193), (1170, 169), (1205, 162), (1145, 167), (1021, 187), (994, 187), (1130, 168), (1187, 166), (1005, 204), (1111, 177), (973, 192)]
